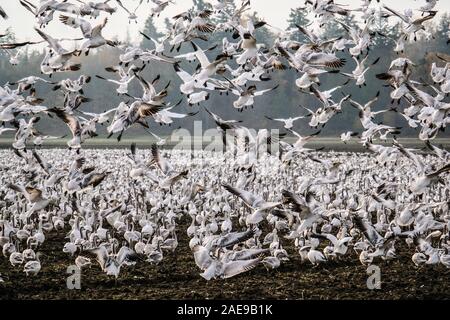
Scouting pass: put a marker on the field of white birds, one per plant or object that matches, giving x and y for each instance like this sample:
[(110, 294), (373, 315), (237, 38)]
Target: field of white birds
[(263, 205)]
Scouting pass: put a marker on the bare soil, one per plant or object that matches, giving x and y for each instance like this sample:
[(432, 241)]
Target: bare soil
[(177, 277)]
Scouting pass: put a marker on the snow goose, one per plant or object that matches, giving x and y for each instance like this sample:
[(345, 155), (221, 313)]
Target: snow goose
[(93, 35), (289, 122), (131, 14), (33, 267), (257, 203), (3, 13)]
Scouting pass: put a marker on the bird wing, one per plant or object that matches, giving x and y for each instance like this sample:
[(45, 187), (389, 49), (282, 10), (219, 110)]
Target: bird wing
[(201, 256), (297, 204), (133, 150), (325, 59), (368, 230), (38, 158), (67, 7), (20, 189), (34, 194), (295, 133), (436, 173), (398, 14), (201, 56), (102, 255), (162, 163), (426, 18), (124, 254), (77, 164), (417, 162), (278, 119), (146, 110), (356, 105), (261, 92), (233, 268), (147, 86), (173, 114), (52, 42), (422, 96), (93, 179), (72, 122), (3, 13), (319, 95), (231, 239), (186, 77), (308, 34), (371, 102), (29, 6), (121, 4), (248, 197), (75, 23)]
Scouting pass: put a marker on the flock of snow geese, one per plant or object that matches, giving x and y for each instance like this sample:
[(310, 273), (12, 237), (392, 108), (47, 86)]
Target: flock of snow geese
[(121, 207)]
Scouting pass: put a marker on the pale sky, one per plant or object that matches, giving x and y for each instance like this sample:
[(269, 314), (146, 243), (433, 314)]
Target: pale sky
[(274, 12)]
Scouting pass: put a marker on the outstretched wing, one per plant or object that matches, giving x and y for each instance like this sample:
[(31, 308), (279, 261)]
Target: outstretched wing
[(296, 203), (326, 59), (75, 23), (72, 122), (234, 268)]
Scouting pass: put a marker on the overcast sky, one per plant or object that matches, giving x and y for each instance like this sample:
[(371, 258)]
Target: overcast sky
[(274, 12)]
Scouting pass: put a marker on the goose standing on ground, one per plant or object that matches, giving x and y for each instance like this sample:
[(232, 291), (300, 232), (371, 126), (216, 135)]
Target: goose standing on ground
[(3, 13)]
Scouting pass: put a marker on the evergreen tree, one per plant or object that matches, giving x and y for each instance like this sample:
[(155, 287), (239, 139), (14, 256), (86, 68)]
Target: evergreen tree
[(298, 17)]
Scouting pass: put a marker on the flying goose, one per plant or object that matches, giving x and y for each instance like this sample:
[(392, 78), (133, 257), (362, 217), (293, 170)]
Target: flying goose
[(161, 5), (80, 131), (33, 267), (162, 163), (412, 25), (230, 239), (246, 96), (304, 208), (257, 203), (169, 181)]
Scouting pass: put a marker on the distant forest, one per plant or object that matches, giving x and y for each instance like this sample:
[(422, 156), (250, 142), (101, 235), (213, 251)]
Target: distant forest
[(283, 102)]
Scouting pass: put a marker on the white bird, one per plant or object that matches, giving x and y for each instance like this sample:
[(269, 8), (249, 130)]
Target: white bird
[(289, 122)]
